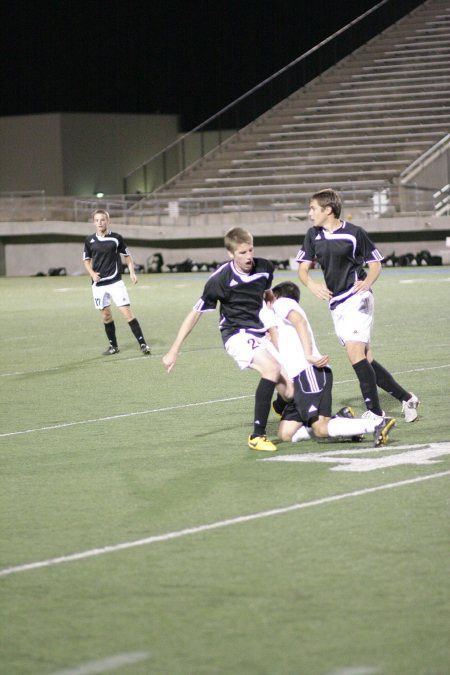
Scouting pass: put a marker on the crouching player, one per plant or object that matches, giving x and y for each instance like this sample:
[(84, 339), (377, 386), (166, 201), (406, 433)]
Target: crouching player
[(309, 414)]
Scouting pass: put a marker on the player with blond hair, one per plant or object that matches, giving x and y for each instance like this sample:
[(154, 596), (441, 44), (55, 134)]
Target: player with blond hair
[(238, 286)]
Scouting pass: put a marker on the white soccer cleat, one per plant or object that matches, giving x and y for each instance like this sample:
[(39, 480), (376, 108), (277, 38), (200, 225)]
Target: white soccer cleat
[(369, 415), (409, 408)]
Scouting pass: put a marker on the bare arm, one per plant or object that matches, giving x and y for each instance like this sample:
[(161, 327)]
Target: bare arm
[(186, 327), (366, 284), (300, 325), (319, 290), (95, 276), (273, 333), (130, 264)]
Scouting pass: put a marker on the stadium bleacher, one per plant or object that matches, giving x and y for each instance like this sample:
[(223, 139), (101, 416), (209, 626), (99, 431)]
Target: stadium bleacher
[(358, 126)]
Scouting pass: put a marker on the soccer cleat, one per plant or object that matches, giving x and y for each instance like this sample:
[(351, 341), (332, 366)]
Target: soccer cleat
[(111, 350), (145, 349), (369, 415), (409, 408), (381, 433), (261, 443), (345, 412)]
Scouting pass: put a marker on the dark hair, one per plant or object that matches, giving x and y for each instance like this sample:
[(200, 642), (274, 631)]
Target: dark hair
[(287, 289), (329, 197)]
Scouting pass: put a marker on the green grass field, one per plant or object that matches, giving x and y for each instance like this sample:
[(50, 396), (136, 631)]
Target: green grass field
[(140, 535)]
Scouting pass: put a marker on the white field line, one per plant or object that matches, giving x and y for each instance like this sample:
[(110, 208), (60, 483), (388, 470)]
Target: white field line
[(182, 406), (62, 425), (178, 534), (108, 664)]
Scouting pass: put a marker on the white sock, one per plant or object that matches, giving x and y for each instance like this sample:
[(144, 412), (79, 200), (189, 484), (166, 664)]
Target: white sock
[(343, 426), (302, 434)]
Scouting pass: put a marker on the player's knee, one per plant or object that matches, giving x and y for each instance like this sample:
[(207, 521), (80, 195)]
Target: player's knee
[(284, 434), (273, 372)]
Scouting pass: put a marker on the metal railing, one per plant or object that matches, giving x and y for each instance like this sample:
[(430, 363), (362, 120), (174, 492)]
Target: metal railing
[(195, 144), (31, 205), (191, 211), (421, 177), (442, 201)]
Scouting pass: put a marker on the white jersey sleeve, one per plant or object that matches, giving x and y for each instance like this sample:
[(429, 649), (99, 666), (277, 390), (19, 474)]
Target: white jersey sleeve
[(268, 317), (289, 344)]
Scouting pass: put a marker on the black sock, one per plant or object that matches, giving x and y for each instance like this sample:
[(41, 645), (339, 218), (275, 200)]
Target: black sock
[(263, 399), (368, 385), (387, 382), (136, 329), (110, 330)]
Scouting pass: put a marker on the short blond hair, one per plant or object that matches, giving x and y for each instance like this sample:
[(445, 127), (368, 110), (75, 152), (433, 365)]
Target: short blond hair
[(102, 211), (235, 237)]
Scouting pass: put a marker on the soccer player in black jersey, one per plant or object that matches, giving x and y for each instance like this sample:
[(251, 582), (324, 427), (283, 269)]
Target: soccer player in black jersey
[(102, 261), (239, 286), (342, 250)]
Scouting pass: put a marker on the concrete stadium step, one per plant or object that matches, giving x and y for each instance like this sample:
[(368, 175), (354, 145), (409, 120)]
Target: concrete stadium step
[(418, 47), (375, 134), (379, 100), (278, 161), (333, 132), (363, 104), (388, 72), (373, 111), (366, 72), (366, 118), (418, 141), (361, 184), (311, 156), (338, 165), (401, 84), (425, 59), (434, 90), (275, 179)]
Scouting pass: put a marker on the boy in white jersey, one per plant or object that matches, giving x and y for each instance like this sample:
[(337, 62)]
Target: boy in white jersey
[(310, 413)]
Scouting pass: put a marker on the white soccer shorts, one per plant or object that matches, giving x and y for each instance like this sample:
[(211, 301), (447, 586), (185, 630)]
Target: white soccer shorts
[(243, 346), (353, 319), (104, 294)]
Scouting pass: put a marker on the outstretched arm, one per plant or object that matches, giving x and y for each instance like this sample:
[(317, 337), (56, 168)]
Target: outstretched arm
[(319, 290), (186, 327)]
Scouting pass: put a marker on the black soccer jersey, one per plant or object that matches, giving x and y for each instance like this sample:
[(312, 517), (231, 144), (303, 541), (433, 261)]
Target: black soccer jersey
[(240, 296), (341, 254), (105, 254)]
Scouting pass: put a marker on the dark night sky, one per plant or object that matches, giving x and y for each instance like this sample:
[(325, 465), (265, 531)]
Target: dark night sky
[(187, 57)]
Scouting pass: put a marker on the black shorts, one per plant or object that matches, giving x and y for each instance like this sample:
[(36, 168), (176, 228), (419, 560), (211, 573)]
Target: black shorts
[(290, 413), (312, 393)]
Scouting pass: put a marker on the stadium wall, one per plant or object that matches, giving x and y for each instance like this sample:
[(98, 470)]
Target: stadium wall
[(30, 248), (78, 154)]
